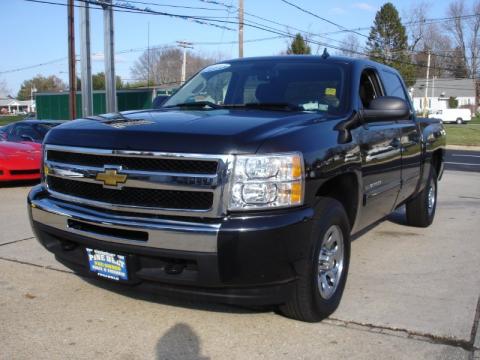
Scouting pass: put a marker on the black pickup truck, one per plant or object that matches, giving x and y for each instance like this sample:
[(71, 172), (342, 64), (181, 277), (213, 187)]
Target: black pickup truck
[(245, 186)]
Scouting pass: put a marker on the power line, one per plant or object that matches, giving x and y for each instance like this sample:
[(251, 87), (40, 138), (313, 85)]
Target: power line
[(171, 5), (204, 20), (260, 27), (322, 18), (425, 21), (33, 66)]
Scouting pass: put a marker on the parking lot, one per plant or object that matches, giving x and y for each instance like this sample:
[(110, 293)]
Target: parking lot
[(412, 293)]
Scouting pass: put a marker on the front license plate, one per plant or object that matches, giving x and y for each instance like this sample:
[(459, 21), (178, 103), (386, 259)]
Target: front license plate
[(107, 265)]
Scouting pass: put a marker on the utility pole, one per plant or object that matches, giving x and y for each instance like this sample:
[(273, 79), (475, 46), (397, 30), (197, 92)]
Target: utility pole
[(72, 75), (109, 54), (240, 28), (185, 45), (148, 55), (33, 89), (433, 86), (425, 99), (85, 61)]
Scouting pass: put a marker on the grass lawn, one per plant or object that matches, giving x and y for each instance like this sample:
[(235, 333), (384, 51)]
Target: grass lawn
[(467, 134), (4, 120)]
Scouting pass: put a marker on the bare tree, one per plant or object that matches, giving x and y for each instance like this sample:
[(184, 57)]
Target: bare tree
[(3, 88), (465, 32), (474, 26), (351, 46), (440, 47), (415, 18), (163, 65)]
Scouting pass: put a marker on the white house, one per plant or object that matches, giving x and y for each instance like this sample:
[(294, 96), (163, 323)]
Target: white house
[(14, 106), (440, 91)]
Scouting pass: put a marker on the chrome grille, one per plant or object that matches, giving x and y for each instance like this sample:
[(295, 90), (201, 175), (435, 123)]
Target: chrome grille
[(136, 163), (158, 183)]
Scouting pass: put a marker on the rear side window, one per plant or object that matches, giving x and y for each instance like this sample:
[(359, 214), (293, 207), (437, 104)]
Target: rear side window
[(393, 85)]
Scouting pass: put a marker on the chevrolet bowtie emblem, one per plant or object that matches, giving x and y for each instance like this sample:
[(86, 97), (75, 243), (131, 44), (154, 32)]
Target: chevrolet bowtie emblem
[(110, 177)]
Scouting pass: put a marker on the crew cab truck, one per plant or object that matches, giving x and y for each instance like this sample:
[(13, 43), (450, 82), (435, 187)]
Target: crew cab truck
[(245, 186)]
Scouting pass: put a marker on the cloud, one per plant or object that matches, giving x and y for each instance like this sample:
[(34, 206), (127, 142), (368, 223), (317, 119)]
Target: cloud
[(364, 6), (337, 10), (100, 57), (97, 57)]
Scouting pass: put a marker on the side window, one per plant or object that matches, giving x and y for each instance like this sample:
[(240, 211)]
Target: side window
[(369, 87), (393, 85)]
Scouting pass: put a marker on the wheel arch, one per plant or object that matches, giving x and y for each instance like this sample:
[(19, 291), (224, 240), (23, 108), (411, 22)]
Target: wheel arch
[(344, 188), (437, 161)]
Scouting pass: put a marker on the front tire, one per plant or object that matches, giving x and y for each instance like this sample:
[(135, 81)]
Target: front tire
[(322, 277), (421, 209)]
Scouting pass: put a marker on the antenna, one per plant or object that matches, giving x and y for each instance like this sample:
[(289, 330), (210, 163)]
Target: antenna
[(325, 54)]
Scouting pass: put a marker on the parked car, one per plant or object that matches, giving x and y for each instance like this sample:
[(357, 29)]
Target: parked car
[(458, 116), (245, 186), (27, 130), (19, 161)]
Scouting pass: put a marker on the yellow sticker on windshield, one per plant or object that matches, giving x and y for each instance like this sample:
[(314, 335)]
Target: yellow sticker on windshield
[(331, 91)]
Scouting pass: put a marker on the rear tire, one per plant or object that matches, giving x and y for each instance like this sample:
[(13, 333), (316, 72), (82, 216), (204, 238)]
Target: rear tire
[(322, 277), (459, 121), (421, 209)]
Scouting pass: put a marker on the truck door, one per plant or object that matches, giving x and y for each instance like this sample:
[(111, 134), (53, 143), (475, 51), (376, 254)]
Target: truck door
[(379, 143), (410, 137)]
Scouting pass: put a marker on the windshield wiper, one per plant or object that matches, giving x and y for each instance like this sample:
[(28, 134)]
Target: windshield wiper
[(274, 106), (196, 104)]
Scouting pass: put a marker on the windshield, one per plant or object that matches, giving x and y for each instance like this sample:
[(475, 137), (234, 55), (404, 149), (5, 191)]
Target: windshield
[(44, 128), (298, 85)]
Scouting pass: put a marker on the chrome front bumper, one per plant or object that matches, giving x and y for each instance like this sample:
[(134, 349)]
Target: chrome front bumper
[(160, 233)]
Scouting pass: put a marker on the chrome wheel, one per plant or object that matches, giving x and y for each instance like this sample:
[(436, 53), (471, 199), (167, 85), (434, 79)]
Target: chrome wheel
[(431, 197), (330, 262)]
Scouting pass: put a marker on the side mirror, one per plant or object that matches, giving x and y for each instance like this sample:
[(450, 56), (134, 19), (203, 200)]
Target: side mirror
[(387, 108), (159, 100)]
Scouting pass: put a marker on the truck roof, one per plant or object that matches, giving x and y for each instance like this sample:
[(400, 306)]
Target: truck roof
[(314, 58)]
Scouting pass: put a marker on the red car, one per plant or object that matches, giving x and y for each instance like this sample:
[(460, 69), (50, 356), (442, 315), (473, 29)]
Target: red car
[(20, 161)]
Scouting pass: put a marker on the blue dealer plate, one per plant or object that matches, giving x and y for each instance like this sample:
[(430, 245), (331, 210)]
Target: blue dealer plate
[(107, 265)]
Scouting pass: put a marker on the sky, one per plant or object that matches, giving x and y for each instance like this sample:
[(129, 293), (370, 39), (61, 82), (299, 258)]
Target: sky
[(34, 33)]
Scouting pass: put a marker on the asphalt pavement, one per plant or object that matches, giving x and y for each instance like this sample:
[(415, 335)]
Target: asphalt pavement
[(412, 293), (462, 160)]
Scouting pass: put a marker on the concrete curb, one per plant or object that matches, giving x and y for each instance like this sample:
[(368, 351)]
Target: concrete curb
[(463, 147)]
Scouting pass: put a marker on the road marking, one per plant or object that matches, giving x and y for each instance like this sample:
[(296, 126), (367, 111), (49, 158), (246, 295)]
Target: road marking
[(457, 163), (467, 155)]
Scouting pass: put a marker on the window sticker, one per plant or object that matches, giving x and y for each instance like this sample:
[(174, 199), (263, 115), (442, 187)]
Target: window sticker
[(331, 91)]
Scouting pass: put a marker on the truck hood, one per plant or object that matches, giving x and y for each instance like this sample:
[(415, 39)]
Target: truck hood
[(206, 131)]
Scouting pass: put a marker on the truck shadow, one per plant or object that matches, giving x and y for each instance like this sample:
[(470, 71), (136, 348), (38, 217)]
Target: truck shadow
[(179, 342), (397, 217), (194, 303)]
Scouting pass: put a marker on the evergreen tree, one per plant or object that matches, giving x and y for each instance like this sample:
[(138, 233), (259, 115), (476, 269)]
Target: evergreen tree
[(388, 43), (299, 46)]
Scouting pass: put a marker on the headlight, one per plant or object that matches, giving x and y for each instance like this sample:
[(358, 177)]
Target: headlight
[(267, 181)]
